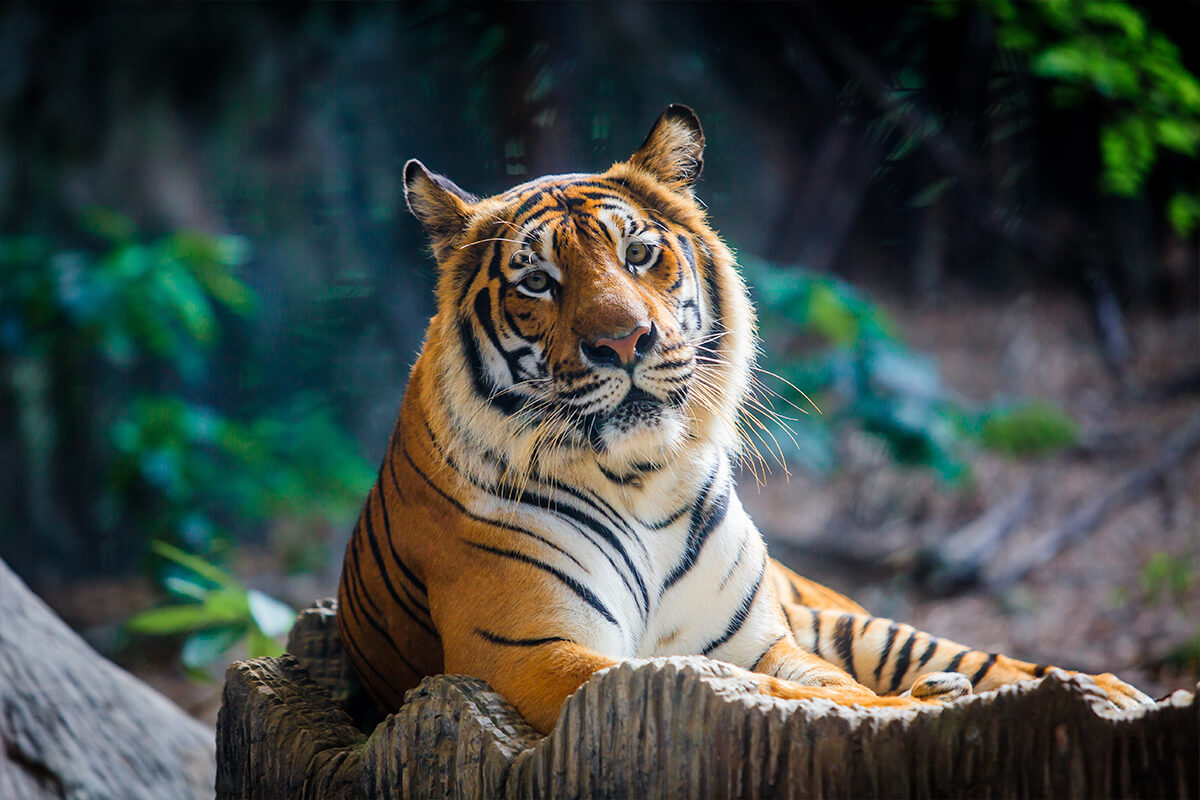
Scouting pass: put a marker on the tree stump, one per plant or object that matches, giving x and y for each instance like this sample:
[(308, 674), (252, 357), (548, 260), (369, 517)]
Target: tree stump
[(74, 725), (682, 727)]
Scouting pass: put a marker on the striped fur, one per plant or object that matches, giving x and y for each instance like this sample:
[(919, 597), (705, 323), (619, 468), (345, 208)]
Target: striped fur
[(558, 492)]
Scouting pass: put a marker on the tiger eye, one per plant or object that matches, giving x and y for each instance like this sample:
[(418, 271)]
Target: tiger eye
[(637, 253), (536, 281)]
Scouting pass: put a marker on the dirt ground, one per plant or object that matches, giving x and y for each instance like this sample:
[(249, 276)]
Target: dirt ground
[(863, 531)]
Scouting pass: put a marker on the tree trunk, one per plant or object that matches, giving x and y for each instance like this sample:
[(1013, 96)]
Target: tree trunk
[(683, 727), (74, 725)]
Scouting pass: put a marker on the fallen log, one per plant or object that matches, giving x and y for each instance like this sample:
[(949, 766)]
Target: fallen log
[(74, 725), (683, 727)]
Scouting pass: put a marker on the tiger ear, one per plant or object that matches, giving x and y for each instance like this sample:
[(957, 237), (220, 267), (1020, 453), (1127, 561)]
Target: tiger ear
[(442, 207), (674, 149)]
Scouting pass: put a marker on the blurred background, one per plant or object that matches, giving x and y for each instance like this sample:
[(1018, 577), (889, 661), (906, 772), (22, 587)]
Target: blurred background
[(971, 231)]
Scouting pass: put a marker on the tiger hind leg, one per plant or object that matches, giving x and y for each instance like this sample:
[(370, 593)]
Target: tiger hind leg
[(891, 657)]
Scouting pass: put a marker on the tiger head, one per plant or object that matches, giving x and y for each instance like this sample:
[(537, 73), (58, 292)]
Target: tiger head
[(587, 316)]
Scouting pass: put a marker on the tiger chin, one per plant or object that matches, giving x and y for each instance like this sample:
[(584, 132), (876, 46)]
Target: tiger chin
[(558, 492)]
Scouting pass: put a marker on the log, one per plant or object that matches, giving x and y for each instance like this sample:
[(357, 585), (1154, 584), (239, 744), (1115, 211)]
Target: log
[(684, 727), (74, 725)]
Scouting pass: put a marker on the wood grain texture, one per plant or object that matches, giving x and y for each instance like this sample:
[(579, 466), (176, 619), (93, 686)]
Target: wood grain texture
[(686, 727), (74, 725)]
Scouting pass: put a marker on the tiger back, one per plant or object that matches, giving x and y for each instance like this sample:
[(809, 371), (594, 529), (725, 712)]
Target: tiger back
[(558, 492)]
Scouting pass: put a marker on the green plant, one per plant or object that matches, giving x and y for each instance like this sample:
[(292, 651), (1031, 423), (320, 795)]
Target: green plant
[(216, 613), (866, 376), (1107, 51), (1173, 579), (1027, 429), (102, 348)]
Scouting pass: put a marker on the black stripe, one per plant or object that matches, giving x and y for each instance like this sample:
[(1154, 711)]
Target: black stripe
[(575, 586), (663, 366), (576, 515), (507, 402), (739, 616), (632, 479), (354, 605), (387, 532), (538, 196), (704, 522), (493, 265), (928, 654), (373, 541), (689, 254), (494, 523), (602, 506), (580, 391), (983, 669), (787, 618), (1040, 670), (763, 655), (737, 560), (843, 642), (360, 660), (816, 629), (954, 662), (483, 314), (887, 650), (903, 658), (714, 299), (496, 638), (670, 520)]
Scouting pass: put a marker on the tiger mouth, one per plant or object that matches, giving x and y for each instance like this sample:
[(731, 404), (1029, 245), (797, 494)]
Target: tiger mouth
[(638, 401)]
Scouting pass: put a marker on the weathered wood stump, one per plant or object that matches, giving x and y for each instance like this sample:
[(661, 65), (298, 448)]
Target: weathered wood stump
[(74, 725), (682, 727)]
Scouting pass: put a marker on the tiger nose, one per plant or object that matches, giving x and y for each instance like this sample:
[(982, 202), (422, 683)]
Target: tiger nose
[(625, 351)]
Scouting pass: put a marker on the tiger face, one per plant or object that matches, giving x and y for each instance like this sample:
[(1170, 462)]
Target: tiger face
[(591, 314)]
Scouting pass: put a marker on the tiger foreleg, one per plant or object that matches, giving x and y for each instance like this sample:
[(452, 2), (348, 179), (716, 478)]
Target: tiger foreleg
[(891, 657)]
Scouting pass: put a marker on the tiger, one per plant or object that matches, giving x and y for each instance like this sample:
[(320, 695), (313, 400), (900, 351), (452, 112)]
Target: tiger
[(558, 492)]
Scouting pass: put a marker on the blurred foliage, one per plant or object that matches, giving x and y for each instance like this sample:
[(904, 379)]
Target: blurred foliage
[(863, 375), (1172, 579), (1108, 49), (1030, 429), (104, 346), (217, 613), (1165, 576)]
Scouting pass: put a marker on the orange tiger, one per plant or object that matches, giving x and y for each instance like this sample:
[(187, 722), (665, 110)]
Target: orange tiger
[(558, 491)]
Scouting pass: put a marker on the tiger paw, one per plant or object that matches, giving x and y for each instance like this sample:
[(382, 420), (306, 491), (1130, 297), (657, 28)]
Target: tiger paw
[(1118, 692), (940, 687)]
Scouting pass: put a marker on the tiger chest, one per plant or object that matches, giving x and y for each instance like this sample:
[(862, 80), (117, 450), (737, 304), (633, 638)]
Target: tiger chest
[(682, 588)]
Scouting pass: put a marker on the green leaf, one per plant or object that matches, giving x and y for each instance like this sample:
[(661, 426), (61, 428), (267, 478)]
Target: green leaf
[(195, 564), (1183, 210), (1117, 15), (171, 619)]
